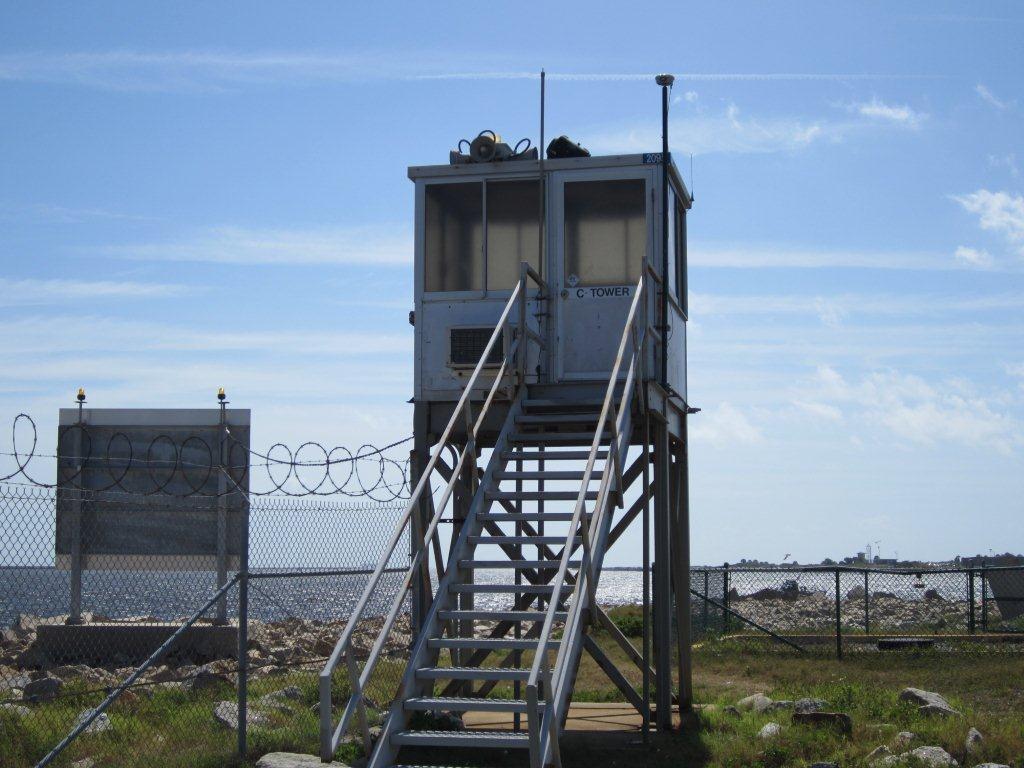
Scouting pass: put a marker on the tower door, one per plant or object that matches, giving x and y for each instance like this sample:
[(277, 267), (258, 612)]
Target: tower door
[(602, 237)]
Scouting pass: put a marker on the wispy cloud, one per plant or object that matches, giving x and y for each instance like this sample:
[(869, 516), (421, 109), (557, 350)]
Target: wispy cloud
[(727, 132), (832, 309), (1007, 161), (725, 426), (62, 214), (974, 257), (761, 256), (1001, 213), (199, 70), (986, 95), (921, 412), (29, 291), (897, 114), (381, 245)]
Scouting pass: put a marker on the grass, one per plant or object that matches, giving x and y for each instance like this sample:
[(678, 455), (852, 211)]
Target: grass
[(174, 729)]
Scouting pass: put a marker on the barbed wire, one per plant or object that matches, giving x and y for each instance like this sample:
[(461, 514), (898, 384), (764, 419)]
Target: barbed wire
[(191, 467)]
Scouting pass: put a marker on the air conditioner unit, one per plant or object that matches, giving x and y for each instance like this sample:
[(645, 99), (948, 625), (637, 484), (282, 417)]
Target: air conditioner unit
[(466, 345)]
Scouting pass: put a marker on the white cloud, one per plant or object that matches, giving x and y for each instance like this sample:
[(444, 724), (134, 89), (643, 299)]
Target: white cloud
[(820, 410), (237, 245), (28, 291), (990, 98), (762, 256), (973, 256), (899, 114), (1008, 161), (998, 212), (199, 71), (725, 426), (726, 132), (919, 412)]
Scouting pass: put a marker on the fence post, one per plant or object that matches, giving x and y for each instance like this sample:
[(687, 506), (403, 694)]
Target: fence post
[(839, 630), (725, 598), (243, 631), (984, 599), (704, 608), (867, 610), (970, 598)]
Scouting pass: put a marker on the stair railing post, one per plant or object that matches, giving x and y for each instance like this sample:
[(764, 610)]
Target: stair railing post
[(357, 693), (551, 697), (521, 355)]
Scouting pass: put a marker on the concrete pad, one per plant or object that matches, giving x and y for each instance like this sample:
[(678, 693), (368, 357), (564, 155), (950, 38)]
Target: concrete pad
[(98, 644), (584, 717)]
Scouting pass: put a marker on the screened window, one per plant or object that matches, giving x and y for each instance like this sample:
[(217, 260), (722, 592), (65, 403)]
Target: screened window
[(453, 237), (512, 231), (605, 231)]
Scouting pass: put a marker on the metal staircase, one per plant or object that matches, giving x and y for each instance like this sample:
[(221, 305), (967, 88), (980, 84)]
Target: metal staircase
[(503, 622)]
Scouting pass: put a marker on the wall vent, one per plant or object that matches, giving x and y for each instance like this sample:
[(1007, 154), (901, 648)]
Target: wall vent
[(466, 345)]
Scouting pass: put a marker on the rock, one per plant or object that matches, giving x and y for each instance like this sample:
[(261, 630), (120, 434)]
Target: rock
[(775, 706), (857, 593), (755, 703), (17, 709), (838, 721), (226, 713), (929, 702), (809, 705), (293, 760), (42, 689), (731, 710), (99, 725), (85, 762), (936, 711), (204, 680), (973, 740), (823, 765), (932, 594), (770, 731), (878, 753), (291, 693), (933, 757), (904, 739), (991, 765)]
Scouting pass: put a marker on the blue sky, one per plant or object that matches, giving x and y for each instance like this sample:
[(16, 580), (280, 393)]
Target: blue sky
[(201, 195)]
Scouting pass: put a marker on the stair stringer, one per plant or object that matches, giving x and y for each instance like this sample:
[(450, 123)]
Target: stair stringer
[(560, 678), (385, 753)]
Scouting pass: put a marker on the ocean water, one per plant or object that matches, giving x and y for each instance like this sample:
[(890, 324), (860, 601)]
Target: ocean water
[(172, 595)]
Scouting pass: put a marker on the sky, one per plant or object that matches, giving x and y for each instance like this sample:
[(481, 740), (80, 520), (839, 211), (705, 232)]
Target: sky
[(202, 195)]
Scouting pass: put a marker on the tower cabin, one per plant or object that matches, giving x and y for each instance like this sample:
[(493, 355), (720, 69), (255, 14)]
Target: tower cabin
[(550, 417)]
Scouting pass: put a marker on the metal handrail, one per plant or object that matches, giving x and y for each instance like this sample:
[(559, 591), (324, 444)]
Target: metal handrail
[(612, 472), (331, 737)]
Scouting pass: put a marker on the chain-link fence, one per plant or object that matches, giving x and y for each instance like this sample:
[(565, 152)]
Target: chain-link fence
[(853, 607), (166, 629), (157, 644)]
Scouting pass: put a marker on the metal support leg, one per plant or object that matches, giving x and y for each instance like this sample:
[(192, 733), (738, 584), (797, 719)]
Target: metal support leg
[(662, 579), (221, 617), (681, 561)]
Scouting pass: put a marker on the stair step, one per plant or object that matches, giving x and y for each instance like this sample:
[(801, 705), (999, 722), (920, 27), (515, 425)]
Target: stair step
[(558, 418), (498, 615), (526, 540), (488, 739), (505, 589), (472, 673), (540, 495), (567, 404), (545, 475), (525, 517), (465, 704), (532, 438), (518, 565), (552, 455), (494, 644)]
